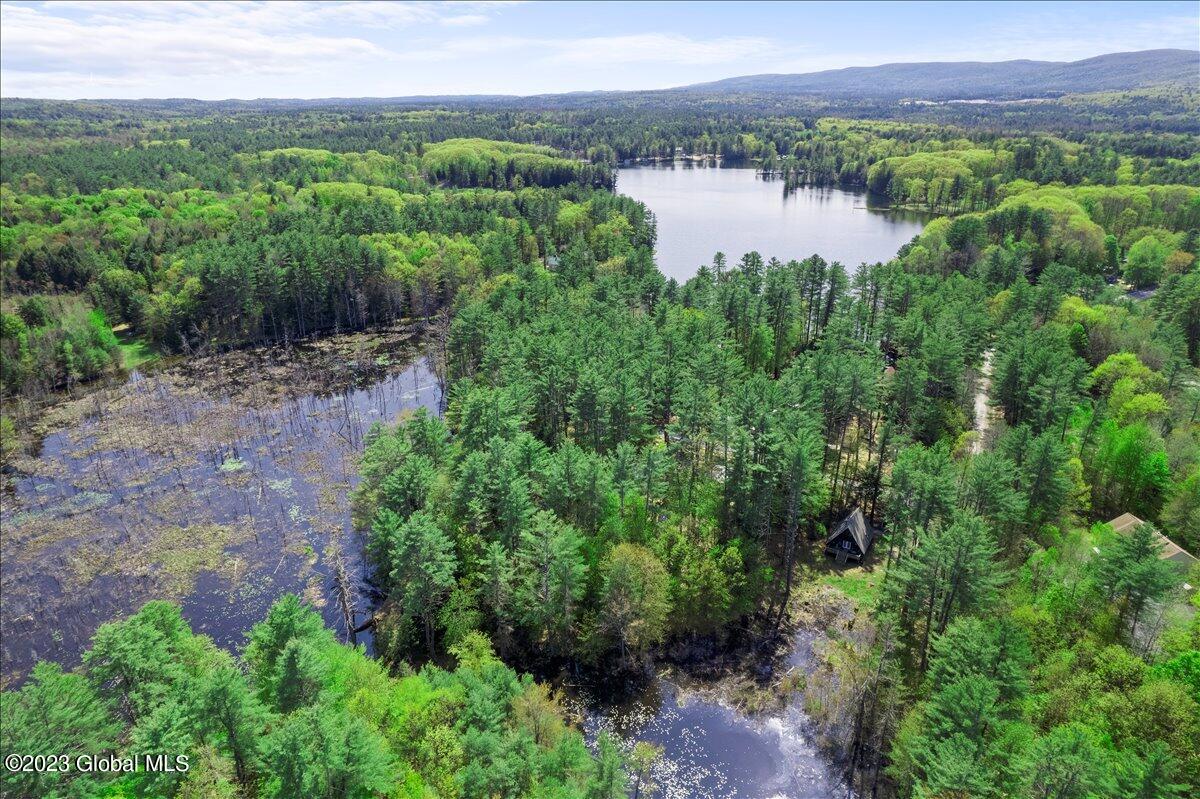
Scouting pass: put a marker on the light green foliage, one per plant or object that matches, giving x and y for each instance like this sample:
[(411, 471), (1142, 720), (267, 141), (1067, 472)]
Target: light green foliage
[(609, 781), (1144, 263), (1124, 366), (938, 180), (1129, 470), (141, 660), (327, 753), (54, 713), (299, 167), (336, 724), (75, 345), (635, 602), (476, 162)]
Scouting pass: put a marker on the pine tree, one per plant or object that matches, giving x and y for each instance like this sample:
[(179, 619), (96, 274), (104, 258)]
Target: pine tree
[(952, 572), (55, 712), (1068, 763), (301, 676), (422, 565), (232, 719), (1131, 572), (325, 753), (551, 574)]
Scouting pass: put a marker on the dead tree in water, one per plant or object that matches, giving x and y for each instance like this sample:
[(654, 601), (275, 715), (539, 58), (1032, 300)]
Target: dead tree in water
[(439, 346), (345, 589)]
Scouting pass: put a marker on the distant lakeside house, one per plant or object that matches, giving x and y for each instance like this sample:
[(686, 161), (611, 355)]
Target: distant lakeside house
[(851, 539), (1177, 555)]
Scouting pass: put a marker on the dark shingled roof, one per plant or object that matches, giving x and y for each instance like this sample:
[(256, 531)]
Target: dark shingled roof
[(860, 531)]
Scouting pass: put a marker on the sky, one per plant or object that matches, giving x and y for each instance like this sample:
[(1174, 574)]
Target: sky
[(246, 50)]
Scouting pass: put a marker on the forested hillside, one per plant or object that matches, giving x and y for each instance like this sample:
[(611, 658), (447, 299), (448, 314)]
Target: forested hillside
[(627, 465), (980, 80)]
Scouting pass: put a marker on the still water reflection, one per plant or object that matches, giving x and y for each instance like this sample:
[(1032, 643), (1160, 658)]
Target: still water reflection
[(705, 209), (220, 484)]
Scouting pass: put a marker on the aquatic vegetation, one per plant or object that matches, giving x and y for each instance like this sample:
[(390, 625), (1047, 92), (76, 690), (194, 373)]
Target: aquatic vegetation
[(232, 464)]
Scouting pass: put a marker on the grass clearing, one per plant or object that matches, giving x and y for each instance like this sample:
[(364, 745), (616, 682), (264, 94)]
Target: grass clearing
[(135, 352), (860, 583)]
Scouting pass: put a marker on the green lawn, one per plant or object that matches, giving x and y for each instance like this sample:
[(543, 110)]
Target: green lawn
[(860, 583), (135, 352)]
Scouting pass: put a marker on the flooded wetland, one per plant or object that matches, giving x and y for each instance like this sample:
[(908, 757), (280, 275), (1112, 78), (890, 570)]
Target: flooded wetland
[(220, 483)]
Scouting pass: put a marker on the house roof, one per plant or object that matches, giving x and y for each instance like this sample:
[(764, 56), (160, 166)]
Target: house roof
[(858, 528), (1170, 550)]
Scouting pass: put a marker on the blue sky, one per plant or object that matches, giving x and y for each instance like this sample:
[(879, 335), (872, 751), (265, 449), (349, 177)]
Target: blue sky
[(247, 50)]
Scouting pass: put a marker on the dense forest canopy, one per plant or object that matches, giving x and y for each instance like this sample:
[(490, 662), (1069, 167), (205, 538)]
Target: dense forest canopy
[(625, 461)]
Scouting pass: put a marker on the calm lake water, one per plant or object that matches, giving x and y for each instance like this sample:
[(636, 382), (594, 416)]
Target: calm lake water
[(705, 209)]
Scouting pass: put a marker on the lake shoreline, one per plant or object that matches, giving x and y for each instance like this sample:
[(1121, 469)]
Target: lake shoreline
[(701, 208)]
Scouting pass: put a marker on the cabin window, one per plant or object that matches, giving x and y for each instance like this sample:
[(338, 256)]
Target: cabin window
[(845, 544)]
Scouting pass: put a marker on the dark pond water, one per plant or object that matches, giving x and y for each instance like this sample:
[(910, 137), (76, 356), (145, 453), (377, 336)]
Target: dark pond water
[(220, 485), (703, 209), (711, 751)]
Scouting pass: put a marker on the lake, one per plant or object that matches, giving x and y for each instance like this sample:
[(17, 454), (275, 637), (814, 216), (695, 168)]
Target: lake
[(703, 209)]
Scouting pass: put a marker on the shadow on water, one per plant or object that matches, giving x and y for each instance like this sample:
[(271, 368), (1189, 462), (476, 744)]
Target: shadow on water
[(220, 483), (713, 751)]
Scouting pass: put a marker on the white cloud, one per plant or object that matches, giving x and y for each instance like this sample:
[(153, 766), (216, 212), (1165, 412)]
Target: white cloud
[(603, 51), (281, 14), (49, 48)]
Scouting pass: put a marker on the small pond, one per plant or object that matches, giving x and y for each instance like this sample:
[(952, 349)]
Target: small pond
[(712, 751)]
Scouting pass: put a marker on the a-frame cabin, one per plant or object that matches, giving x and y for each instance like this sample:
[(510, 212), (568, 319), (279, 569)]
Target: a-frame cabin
[(851, 539)]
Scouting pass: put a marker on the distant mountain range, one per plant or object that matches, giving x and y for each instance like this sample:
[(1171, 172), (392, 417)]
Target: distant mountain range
[(971, 80), (934, 91)]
